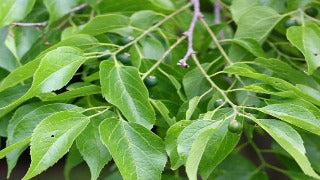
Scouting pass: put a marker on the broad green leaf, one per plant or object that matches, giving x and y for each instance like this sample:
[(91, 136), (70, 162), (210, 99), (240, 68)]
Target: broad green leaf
[(239, 7), (221, 143), (257, 22), (14, 10), (209, 145), (21, 40), (171, 143), (305, 92), (58, 8), (23, 122), (290, 74), (105, 23), (137, 152), (195, 78), (52, 138), (123, 87), (163, 110), (136, 5), (144, 19), (306, 39), (152, 49), (189, 135), (251, 45), (78, 92), (26, 71), (297, 112), (73, 159), (92, 149), (290, 140), (55, 71)]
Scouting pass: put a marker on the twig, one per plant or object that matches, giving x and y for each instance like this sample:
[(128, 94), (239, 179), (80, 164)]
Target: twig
[(39, 24), (189, 33), (44, 23)]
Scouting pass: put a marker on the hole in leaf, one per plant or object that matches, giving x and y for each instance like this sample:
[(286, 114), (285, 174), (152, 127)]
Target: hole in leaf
[(52, 135), (315, 54)]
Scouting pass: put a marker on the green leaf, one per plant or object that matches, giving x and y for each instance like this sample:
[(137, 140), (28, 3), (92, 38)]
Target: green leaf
[(239, 7), (297, 112), (92, 149), (55, 71), (144, 19), (58, 8), (250, 45), (306, 39), (171, 143), (136, 5), (163, 111), (137, 152), (207, 146), (52, 138), (105, 23), (193, 103), (290, 140), (290, 74), (7, 59), (123, 87), (257, 22), (26, 71), (220, 145), (14, 10), (23, 122), (195, 78), (152, 49), (78, 92)]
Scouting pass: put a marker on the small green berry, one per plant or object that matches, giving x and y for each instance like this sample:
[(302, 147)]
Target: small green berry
[(151, 81), (291, 22), (235, 127), (126, 40), (313, 12), (125, 58)]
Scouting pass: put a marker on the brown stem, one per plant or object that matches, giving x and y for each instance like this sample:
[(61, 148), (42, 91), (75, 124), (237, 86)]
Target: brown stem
[(189, 33)]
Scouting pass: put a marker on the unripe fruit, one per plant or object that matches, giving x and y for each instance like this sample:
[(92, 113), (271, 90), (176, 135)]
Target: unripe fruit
[(313, 12), (126, 40), (125, 58), (291, 22), (151, 81), (235, 127)]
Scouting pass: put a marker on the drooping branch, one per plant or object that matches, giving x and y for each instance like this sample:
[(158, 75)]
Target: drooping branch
[(44, 23), (189, 33)]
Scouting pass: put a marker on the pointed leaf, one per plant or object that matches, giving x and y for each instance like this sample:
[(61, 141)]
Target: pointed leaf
[(52, 138), (290, 140), (23, 122), (123, 87), (138, 153), (92, 149)]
